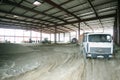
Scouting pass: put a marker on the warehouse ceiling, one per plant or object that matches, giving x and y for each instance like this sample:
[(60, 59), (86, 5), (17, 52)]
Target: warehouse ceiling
[(65, 15)]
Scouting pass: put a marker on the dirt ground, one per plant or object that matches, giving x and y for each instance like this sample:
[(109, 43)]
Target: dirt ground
[(66, 62)]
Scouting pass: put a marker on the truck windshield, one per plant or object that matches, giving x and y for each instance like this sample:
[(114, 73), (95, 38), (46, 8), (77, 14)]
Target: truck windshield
[(99, 38)]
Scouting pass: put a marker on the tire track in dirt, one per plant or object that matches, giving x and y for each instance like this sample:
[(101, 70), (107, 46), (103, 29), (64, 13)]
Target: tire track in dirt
[(76, 74), (76, 60), (29, 74), (60, 64)]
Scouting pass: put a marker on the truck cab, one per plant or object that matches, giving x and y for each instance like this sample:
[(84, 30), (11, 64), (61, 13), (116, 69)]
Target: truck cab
[(97, 44)]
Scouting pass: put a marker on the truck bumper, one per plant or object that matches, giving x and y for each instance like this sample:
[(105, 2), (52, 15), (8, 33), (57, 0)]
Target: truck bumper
[(93, 55)]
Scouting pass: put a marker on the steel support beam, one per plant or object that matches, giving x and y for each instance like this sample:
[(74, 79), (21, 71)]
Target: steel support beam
[(68, 28), (83, 20), (110, 2), (28, 26), (11, 26), (61, 8), (30, 39), (55, 35), (24, 24), (37, 24), (76, 35), (14, 36), (50, 36), (23, 36), (20, 20), (29, 9), (59, 37), (12, 13), (70, 37), (32, 11), (59, 4), (118, 31), (115, 30), (95, 13), (15, 7), (41, 34), (64, 36), (118, 23), (89, 26), (78, 32), (119, 19)]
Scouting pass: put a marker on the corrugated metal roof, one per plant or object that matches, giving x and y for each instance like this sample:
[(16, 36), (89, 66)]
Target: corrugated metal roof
[(62, 13)]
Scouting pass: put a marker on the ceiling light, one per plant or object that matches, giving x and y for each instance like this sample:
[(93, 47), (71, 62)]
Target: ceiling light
[(36, 3)]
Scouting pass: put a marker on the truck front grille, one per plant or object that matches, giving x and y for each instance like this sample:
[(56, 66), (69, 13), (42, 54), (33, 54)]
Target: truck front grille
[(100, 50)]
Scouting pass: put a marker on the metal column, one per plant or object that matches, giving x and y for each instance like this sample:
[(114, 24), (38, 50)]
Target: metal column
[(118, 24), (78, 32), (55, 36), (30, 40), (50, 36), (64, 36), (4, 35), (69, 36), (41, 34), (23, 36), (115, 30), (119, 20), (14, 37), (59, 37)]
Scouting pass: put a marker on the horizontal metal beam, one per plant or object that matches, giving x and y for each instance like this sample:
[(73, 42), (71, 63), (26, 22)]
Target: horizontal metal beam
[(29, 9), (65, 10), (19, 24), (24, 16), (90, 3), (28, 17), (11, 26), (88, 19), (68, 28), (28, 26), (69, 8), (61, 8), (98, 5), (110, 2), (59, 4), (19, 20)]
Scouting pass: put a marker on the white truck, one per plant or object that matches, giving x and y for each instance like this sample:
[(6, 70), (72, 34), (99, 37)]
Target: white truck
[(97, 44)]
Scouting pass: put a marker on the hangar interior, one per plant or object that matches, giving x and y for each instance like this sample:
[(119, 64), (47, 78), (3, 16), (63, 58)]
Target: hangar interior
[(60, 16), (60, 21)]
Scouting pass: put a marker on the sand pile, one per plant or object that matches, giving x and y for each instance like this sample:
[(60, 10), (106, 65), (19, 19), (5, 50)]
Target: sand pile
[(8, 48), (16, 59)]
